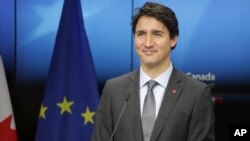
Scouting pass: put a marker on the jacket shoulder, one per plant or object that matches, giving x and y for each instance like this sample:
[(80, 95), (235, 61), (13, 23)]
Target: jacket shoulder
[(191, 82), (123, 78)]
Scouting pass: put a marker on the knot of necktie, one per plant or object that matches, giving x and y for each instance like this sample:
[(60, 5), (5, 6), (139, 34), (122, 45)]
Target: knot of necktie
[(151, 85)]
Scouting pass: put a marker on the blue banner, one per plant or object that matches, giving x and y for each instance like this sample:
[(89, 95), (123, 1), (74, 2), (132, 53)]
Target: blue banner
[(71, 95)]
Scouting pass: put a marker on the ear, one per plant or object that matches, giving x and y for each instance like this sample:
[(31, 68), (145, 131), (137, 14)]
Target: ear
[(173, 41)]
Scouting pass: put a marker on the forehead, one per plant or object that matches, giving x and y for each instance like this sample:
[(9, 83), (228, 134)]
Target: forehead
[(149, 23)]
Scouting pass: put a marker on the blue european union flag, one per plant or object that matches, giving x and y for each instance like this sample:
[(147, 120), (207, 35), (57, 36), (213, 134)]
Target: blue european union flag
[(71, 95)]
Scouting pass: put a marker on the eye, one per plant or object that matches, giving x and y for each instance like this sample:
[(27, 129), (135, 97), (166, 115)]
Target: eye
[(158, 34), (140, 34)]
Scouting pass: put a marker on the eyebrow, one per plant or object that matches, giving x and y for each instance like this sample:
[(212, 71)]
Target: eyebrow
[(158, 31), (153, 31), (140, 31)]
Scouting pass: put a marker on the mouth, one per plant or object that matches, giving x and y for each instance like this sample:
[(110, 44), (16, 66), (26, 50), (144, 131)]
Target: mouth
[(149, 52)]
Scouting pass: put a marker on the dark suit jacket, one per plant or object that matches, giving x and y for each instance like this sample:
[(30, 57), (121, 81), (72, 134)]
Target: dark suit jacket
[(185, 115)]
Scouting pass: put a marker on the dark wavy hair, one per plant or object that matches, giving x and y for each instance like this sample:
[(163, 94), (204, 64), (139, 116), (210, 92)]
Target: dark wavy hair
[(161, 13)]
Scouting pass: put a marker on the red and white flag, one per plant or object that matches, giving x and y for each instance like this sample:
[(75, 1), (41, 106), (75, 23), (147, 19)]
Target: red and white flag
[(7, 123)]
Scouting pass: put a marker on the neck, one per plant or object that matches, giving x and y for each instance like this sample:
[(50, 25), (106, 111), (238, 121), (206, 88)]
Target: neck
[(154, 71)]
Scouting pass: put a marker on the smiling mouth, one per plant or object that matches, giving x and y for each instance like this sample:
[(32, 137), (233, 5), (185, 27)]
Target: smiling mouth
[(149, 52)]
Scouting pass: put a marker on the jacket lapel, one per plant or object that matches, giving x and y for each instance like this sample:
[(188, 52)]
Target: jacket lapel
[(170, 97), (134, 105)]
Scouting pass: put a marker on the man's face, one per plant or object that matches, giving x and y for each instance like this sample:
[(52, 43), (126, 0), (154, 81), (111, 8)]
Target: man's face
[(153, 43)]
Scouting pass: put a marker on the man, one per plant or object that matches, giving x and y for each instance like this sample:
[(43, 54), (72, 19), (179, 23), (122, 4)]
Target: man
[(156, 102)]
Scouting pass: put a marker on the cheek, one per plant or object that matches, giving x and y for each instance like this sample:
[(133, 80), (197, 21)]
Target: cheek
[(165, 46), (137, 48), (165, 51), (138, 45), (138, 51)]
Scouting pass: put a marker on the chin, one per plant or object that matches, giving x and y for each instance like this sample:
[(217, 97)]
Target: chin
[(149, 63), (149, 59)]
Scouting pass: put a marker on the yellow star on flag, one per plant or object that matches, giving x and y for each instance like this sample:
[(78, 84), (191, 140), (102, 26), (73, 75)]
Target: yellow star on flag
[(88, 116), (65, 105), (42, 111)]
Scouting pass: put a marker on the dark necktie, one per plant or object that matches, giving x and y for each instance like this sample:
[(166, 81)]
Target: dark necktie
[(148, 112)]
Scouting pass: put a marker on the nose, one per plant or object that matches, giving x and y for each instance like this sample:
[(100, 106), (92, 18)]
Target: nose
[(149, 42)]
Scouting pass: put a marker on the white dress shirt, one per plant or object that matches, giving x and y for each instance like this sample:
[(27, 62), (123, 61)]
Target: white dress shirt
[(158, 90)]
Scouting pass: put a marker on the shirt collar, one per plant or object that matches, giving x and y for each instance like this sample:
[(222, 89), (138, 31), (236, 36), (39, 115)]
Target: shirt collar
[(162, 79)]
